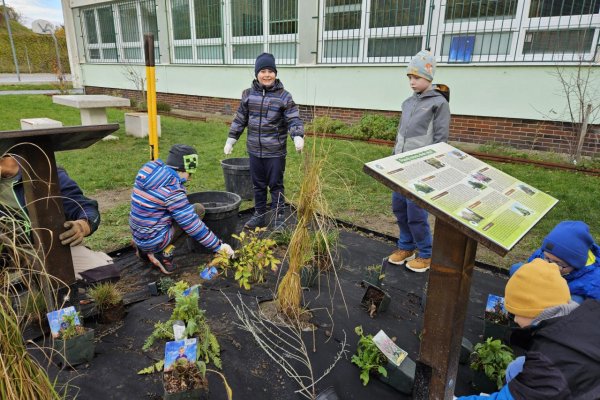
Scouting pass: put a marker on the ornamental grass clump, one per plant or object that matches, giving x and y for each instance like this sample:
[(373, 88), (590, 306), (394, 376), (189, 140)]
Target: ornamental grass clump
[(289, 293), (105, 295), (21, 377)]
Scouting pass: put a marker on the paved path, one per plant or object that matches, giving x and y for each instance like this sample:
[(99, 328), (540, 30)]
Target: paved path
[(48, 91), (11, 79)]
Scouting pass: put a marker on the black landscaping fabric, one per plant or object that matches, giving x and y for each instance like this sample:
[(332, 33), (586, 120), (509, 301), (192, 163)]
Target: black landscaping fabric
[(112, 374)]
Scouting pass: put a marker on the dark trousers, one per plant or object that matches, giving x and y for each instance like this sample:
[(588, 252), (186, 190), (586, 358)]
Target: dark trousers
[(267, 173), (413, 224)]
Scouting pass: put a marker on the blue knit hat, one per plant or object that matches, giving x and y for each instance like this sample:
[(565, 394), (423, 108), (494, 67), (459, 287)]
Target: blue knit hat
[(423, 65), (265, 60), (571, 242)]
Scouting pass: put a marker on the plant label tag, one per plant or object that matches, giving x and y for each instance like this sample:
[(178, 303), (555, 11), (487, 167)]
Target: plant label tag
[(391, 350)]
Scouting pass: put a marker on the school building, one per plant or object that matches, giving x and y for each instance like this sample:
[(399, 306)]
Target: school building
[(519, 70)]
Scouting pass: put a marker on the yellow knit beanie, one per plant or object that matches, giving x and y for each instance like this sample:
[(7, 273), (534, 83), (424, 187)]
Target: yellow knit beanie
[(534, 287)]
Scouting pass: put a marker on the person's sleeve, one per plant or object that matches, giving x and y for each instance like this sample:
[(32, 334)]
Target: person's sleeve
[(75, 204), (539, 379), (240, 121), (292, 118), (536, 254), (503, 394), (441, 123), (183, 213)]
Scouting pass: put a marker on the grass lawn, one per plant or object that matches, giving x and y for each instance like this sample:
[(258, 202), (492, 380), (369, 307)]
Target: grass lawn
[(353, 196)]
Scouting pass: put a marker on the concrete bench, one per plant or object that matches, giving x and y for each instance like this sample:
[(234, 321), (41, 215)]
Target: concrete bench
[(39, 123), (136, 124), (92, 107)]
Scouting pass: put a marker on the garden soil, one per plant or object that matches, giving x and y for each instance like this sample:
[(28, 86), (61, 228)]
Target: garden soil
[(252, 375)]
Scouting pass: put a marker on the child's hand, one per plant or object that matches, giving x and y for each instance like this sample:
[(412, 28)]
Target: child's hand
[(228, 149), (299, 143), (227, 249)]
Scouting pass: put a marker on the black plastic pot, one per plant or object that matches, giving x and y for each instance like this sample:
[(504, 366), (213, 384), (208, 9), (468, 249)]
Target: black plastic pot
[(401, 377), (221, 215), (328, 394), (77, 350), (496, 331), (236, 172), (153, 289), (483, 384), (376, 296), (112, 314), (309, 276)]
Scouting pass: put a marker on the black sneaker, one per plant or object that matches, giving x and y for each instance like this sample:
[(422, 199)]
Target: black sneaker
[(164, 260), (257, 221), (279, 223)]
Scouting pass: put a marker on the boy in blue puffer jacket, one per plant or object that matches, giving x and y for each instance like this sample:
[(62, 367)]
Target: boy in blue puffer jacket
[(269, 113), (571, 246)]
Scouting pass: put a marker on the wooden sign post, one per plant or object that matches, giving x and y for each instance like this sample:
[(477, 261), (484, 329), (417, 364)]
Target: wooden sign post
[(34, 151), (473, 203)]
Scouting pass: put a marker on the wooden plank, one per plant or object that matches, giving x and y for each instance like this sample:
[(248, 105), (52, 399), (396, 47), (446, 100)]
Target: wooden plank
[(63, 138), (437, 213), (447, 299), (44, 205)]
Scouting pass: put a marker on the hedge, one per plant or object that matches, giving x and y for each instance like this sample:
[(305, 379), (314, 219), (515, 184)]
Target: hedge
[(40, 50)]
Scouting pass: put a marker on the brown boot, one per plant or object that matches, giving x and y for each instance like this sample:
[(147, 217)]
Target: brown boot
[(419, 264), (399, 257)]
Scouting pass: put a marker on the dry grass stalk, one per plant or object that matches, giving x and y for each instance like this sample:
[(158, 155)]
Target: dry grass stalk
[(310, 204)]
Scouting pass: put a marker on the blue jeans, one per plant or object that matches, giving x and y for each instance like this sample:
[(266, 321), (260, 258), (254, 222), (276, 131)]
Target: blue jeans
[(414, 227), (514, 368), (267, 172)]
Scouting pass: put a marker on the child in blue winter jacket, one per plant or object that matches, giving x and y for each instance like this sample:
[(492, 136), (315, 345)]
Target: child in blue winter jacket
[(571, 246), (425, 120), (269, 113), (562, 359)]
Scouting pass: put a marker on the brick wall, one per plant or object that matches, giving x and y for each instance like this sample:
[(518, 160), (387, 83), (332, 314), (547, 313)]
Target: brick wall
[(519, 133)]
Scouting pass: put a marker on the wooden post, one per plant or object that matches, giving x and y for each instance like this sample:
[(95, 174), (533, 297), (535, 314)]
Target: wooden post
[(447, 298), (44, 205)]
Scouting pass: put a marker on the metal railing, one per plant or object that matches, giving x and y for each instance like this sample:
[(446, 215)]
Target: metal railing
[(459, 31), (114, 32)]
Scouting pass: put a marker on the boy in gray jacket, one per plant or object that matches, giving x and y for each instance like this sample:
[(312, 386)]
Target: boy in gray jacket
[(425, 120)]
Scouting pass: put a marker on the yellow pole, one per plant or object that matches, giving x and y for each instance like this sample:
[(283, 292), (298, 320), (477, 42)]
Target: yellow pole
[(151, 94)]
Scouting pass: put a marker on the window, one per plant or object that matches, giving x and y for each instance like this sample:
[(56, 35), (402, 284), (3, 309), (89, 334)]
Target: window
[(556, 8), (476, 9), (233, 31), (246, 17), (342, 14), (114, 33), (386, 13), (486, 43), (558, 41), (395, 47)]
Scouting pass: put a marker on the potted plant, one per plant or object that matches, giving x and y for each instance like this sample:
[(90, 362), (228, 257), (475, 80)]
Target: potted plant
[(72, 341), (184, 377), (254, 256), (489, 361), (374, 274), (375, 300), (325, 243), (161, 286), (496, 320), (187, 310), (368, 357), (109, 302)]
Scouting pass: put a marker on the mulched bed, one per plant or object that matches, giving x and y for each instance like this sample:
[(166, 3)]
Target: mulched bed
[(250, 372)]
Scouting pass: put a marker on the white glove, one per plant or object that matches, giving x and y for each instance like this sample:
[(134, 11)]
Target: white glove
[(227, 249), (229, 146), (299, 143)]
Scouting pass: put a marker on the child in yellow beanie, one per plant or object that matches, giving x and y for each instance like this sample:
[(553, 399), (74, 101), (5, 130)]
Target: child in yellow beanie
[(561, 337)]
